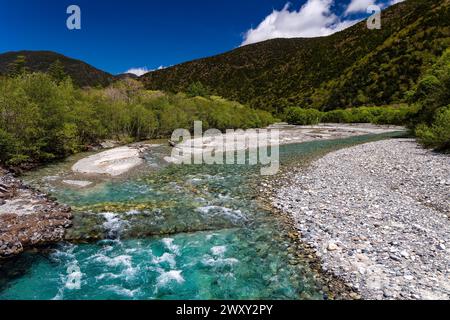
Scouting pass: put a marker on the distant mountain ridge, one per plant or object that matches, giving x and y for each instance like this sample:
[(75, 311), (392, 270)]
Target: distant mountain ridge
[(351, 68), (354, 67), (81, 73)]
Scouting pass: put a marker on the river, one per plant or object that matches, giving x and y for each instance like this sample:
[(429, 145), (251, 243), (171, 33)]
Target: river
[(170, 232)]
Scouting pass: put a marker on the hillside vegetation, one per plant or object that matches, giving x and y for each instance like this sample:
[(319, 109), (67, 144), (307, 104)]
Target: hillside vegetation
[(82, 74), (427, 111), (52, 106), (355, 67), (43, 118), (432, 97)]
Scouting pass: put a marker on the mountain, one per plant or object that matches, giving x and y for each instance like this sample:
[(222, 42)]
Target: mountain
[(124, 76), (81, 73), (354, 67)]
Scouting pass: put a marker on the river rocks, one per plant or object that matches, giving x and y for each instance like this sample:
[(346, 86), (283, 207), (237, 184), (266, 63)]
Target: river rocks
[(28, 218), (113, 162), (377, 215), (78, 183), (332, 247)]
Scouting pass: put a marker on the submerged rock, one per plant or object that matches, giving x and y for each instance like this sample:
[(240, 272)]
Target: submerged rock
[(78, 183)]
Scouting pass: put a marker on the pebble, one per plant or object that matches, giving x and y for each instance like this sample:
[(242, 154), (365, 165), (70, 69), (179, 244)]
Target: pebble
[(332, 247), (382, 212)]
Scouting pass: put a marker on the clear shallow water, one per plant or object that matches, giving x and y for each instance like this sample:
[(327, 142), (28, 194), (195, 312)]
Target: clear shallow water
[(169, 232)]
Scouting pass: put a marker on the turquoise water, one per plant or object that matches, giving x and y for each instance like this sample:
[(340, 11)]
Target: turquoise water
[(169, 232)]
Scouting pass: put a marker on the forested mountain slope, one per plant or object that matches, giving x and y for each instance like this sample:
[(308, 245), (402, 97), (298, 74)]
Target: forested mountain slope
[(81, 73), (354, 67)]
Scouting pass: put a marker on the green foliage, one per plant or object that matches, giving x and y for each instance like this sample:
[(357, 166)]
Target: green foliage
[(18, 66), (432, 122), (353, 68), (438, 134), (7, 146), (433, 89), (82, 74), (299, 116), (197, 89), (43, 118), (56, 71), (391, 115)]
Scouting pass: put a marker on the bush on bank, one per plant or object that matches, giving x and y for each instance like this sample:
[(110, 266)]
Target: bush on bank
[(398, 115), (43, 118)]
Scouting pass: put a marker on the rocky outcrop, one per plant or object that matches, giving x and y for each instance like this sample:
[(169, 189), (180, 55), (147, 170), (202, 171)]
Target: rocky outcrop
[(28, 218), (113, 162)]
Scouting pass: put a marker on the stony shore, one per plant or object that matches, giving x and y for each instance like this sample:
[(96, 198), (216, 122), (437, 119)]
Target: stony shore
[(287, 134), (28, 218), (377, 217)]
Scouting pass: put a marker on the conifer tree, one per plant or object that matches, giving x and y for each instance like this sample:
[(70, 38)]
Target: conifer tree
[(18, 66), (56, 71)]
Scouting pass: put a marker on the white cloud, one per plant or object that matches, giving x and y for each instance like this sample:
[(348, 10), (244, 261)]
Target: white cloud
[(395, 2), (313, 19), (138, 71), (143, 70), (359, 6)]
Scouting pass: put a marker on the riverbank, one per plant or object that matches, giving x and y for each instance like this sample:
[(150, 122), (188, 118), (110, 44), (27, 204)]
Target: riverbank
[(28, 218), (376, 216), (116, 162), (287, 134)]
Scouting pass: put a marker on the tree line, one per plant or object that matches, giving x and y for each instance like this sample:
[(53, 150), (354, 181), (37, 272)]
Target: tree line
[(426, 110), (44, 117)]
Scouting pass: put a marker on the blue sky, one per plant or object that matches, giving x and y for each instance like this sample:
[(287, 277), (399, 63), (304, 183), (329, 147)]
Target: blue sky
[(117, 35)]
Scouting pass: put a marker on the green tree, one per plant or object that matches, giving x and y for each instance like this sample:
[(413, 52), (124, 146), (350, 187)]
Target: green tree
[(438, 134), (197, 89), (433, 90), (18, 66), (299, 116), (56, 71)]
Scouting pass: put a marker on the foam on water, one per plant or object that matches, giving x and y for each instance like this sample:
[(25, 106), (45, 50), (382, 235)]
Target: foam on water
[(108, 276), (168, 242), (121, 291), (219, 250), (173, 276), (73, 281), (113, 224), (124, 260), (220, 262), (235, 215), (168, 258)]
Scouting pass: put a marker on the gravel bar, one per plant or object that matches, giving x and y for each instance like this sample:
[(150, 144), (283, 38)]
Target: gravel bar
[(377, 216)]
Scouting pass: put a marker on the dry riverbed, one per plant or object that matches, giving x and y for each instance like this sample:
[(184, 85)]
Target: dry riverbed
[(377, 217)]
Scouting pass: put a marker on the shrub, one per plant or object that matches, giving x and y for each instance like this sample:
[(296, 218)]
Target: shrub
[(399, 115), (299, 116), (337, 116), (437, 135), (42, 118)]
